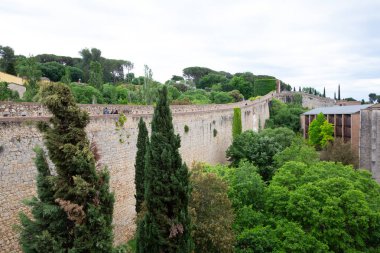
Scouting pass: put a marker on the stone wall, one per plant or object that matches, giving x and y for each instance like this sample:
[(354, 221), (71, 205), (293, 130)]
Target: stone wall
[(369, 146), (308, 100), (18, 136)]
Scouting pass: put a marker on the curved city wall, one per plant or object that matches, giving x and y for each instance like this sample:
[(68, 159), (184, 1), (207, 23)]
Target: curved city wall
[(117, 148), (18, 137)]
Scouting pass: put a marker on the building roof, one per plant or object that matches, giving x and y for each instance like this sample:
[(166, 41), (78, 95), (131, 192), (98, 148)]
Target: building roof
[(349, 109)]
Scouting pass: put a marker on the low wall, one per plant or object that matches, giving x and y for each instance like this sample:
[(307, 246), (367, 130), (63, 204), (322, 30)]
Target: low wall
[(18, 136)]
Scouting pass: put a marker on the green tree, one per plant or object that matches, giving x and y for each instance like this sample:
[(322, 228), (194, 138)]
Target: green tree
[(285, 115), (221, 97), (28, 68), (7, 94), (85, 94), (142, 142), (66, 78), (52, 70), (372, 98), (333, 203), (96, 75), (213, 78), (148, 87), (339, 92), (327, 132), (314, 132), (236, 123), (44, 232), (211, 213), (298, 151), (320, 132), (257, 149), (166, 223), (282, 135), (79, 190), (7, 60)]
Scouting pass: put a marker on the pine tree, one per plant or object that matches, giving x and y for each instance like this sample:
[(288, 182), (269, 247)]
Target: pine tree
[(77, 200), (142, 141), (166, 223)]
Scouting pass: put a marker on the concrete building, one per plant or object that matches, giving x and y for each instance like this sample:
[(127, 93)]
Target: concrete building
[(369, 155), (346, 121)]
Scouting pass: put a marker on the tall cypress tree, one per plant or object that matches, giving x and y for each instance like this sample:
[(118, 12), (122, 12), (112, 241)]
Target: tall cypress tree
[(77, 200), (339, 92), (236, 123), (142, 141), (166, 223), (324, 92)]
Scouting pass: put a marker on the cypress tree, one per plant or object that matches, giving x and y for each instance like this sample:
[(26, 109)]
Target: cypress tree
[(77, 200), (166, 223), (299, 89), (339, 92), (236, 123), (142, 141), (43, 233), (334, 95), (324, 92)]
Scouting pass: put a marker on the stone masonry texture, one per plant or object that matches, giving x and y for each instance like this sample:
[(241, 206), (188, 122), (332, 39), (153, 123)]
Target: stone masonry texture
[(117, 148)]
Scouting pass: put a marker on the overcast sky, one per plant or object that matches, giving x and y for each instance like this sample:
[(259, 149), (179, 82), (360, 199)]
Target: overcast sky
[(304, 43)]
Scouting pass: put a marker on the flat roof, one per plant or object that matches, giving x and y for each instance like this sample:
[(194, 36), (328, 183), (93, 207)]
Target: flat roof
[(348, 109)]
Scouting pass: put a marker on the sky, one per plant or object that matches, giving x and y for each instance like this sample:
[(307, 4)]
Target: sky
[(320, 43)]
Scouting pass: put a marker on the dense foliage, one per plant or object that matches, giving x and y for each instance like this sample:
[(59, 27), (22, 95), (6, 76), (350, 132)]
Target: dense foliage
[(165, 226), (285, 115), (320, 132), (211, 213), (142, 142), (198, 85), (73, 211), (308, 206), (260, 148)]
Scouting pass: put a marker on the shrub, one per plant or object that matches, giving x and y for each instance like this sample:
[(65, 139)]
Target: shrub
[(186, 128)]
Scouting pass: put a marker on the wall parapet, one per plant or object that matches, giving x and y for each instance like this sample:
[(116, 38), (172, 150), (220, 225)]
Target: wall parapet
[(30, 109)]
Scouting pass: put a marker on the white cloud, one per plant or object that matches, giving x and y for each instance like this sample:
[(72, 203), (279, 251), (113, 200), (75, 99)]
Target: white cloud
[(301, 42)]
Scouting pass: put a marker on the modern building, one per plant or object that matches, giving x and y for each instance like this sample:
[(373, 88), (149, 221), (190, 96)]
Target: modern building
[(369, 154), (346, 121)]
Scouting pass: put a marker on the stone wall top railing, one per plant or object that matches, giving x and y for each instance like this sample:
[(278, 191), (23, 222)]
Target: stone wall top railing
[(26, 109)]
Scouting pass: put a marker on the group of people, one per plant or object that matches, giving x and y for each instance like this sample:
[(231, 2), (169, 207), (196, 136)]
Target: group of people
[(106, 111)]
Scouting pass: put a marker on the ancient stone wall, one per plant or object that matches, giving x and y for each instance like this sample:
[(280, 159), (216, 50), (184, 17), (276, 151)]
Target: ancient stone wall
[(308, 100), (18, 136)]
